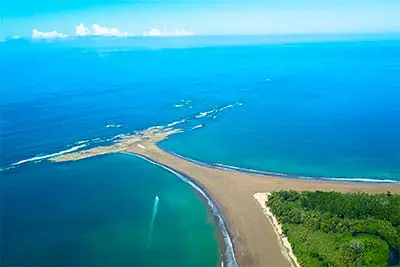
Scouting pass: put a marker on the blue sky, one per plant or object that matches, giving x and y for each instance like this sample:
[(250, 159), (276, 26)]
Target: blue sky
[(19, 17)]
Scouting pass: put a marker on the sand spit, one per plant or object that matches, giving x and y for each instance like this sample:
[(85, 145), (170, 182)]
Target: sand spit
[(139, 139), (252, 234)]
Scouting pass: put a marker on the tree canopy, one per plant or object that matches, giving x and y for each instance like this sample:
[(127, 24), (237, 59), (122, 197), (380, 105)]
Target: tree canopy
[(338, 229)]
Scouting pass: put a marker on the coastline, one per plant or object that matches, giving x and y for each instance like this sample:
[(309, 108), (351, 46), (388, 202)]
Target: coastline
[(225, 167), (226, 247), (251, 231), (286, 247), (252, 235)]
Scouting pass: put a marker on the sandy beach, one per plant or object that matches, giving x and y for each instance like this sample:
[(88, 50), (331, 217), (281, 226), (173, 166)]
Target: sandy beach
[(255, 242), (286, 247), (253, 236)]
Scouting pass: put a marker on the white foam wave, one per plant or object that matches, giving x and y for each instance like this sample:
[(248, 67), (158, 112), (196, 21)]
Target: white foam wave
[(226, 107), (7, 168), (205, 113), (175, 123), (197, 127), (38, 158), (82, 142), (202, 114), (367, 180), (119, 136), (229, 253), (183, 103), (114, 125)]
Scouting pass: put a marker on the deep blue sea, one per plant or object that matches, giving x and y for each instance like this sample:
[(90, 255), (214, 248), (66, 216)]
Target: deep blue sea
[(320, 107)]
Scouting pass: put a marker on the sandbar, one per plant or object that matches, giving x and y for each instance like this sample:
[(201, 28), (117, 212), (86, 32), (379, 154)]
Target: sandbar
[(253, 236)]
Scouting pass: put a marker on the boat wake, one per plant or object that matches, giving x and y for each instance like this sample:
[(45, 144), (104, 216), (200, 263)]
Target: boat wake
[(229, 254)]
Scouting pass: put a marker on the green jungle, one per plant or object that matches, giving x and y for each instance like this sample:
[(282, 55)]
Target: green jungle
[(339, 229)]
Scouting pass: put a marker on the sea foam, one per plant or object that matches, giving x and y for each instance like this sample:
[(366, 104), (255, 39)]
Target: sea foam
[(366, 180), (175, 123), (205, 113), (229, 253), (82, 142), (38, 158), (114, 125), (197, 127)]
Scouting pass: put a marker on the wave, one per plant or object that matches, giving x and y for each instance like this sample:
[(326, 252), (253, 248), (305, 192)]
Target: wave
[(197, 127), (278, 174), (253, 171), (202, 114), (114, 125), (367, 180), (247, 170), (175, 123), (81, 142), (229, 253), (38, 158), (119, 136), (7, 168), (205, 113), (226, 107), (183, 103), (216, 110)]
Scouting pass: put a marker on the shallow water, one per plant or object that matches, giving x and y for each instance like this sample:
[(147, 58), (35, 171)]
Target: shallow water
[(97, 212)]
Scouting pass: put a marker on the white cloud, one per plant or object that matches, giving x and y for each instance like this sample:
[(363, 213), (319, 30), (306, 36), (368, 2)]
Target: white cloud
[(152, 32), (36, 34), (157, 32), (82, 30), (98, 30), (183, 32)]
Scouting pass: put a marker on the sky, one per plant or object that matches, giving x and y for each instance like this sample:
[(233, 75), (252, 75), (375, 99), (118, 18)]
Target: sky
[(214, 17)]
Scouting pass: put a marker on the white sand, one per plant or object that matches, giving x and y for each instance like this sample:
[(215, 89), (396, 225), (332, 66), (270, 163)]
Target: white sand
[(141, 146), (283, 241)]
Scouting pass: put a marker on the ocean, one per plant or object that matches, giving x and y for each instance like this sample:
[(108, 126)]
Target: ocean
[(312, 108)]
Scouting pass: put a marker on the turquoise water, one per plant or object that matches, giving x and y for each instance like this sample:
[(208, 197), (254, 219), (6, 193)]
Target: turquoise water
[(323, 109), (97, 212), (300, 106)]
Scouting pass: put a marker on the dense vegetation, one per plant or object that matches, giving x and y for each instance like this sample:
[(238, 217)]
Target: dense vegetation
[(337, 229)]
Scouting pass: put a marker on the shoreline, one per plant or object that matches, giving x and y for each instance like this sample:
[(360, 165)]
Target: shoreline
[(154, 152), (226, 247), (286, 247), (243, 170), (251, 234)]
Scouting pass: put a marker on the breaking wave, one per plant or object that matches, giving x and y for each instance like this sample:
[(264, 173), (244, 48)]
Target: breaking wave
[(197, 127), (175, 123), (38, 158)]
